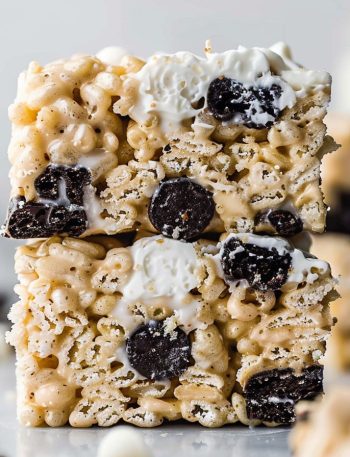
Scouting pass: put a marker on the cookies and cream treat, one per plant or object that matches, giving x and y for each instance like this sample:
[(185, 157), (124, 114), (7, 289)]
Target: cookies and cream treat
[(161, 329), (335, 247), (323, 427), (177, 144), (280, 342), (335, 172)]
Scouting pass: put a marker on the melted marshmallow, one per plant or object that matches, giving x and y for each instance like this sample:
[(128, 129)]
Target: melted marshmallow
[(170, 85), (94, 210), (98, 162), (163, 267), (163, 273), (302, 268)]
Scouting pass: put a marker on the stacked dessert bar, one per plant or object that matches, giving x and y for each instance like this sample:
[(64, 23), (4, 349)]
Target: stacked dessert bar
[(335, 244), (171, 277)]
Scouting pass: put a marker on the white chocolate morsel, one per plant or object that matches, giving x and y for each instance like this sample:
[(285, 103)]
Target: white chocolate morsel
[(171, 85), (111, 55), (302, 269), (163, 273), (123, 442)]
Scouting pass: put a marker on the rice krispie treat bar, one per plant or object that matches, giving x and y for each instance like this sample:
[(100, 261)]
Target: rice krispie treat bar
[(159, 329), (334, 246), (233, 140), (323, 427), (335, 173)]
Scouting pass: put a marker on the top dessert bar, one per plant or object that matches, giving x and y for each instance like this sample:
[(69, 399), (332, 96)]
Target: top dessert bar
[(177, 145)]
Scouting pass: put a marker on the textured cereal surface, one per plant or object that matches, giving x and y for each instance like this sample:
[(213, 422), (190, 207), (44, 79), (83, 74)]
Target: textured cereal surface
[(335, 248), (77, 112), (71, 360)]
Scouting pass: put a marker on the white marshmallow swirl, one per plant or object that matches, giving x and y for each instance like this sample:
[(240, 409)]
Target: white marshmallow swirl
[(171, 85), (163, 273)]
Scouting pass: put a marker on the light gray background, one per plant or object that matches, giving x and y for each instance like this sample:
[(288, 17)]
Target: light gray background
[(43, 30)]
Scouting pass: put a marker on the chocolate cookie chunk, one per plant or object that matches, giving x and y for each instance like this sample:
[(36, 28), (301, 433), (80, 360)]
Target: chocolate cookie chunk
[(262, 268), (156, 354), (271, 395), (280, 221), (231, 101), (265, 101), (181, 208), (58, 182), (228, 98), (42, 220), (58, 208)]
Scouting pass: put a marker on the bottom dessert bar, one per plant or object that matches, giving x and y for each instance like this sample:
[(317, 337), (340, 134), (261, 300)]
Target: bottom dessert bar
[(210, 332), (335, 247)]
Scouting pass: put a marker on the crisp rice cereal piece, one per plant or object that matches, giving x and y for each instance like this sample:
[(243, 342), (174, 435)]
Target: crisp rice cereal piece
[(86, 306)]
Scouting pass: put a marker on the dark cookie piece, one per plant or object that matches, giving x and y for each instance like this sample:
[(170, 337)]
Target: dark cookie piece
[(264, 269), (76, 223), (230, 100), (76, 179), (271, 395), (41, 220), (283, 222), (156, 354), (338, 217), (58, 182), (59, 208), (181, 208), (46, 185), (266, 98), (35, 220)]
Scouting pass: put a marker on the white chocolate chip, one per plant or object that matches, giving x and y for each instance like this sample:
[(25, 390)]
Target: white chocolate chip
[(123, 442)]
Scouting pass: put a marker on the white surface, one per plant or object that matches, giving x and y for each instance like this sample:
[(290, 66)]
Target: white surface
[(180, 440)]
